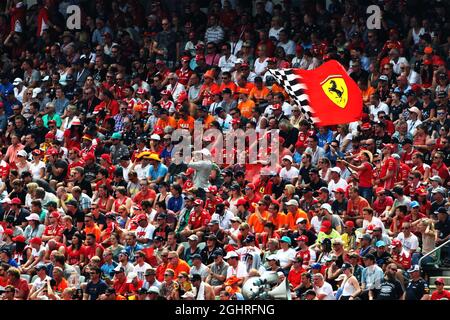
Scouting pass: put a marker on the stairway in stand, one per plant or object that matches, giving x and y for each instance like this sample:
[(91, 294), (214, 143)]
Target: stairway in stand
[(443, 272)]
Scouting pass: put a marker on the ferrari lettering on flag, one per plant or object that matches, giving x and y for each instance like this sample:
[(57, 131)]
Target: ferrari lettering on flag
[(327, 95)]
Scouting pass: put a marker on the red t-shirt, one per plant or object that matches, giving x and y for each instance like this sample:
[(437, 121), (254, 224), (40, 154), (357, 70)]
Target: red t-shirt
[(438, 296), (407, 158), (388, 165), (366, 175), (403, 172), (140, 196), (197, 221), (305, 255), (379, 206), (442, 171), (295, 277)]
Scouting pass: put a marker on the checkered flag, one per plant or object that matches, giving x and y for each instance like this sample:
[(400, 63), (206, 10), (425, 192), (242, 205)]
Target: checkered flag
[(293, 85)]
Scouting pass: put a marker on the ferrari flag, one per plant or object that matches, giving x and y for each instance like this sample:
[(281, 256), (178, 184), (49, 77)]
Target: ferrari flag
[(327, 94)]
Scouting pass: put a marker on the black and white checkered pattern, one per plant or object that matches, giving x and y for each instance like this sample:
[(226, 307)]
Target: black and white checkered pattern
[(294, 87)]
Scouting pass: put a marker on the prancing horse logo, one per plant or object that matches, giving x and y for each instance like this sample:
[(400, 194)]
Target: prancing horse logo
[(336, 90)]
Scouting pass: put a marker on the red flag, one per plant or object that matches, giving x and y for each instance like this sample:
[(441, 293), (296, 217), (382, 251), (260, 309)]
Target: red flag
[(327, 94)]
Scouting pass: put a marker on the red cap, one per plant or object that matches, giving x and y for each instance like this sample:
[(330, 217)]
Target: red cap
[(199, 57), (212, 189), (50, 135), (339, 190), (370, 228), (285, 64), (55, 214), (235, 121), (140, 91), (106, 157), (276, 106), (19, 238), (421, 192), (439, 280), (141, 217), (52, 152), (298, 48), (9, 232), (51, 122), (350, 224), (76, 150), (326, 226), (36, 240), (241, 202), (166, 92), (427, 62), (251, 186), (185, 58), (198, 202), (302, 238), (389, 146), (189, 171), (396, 243), (366, 126), (380, 190), (16, 201), (187, 185)]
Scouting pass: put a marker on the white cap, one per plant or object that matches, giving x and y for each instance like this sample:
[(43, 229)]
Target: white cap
[(22, 153), (153, 289), (336, 169), (33, 216), (46, 78), (17, 81), (272, 257), (239, 60), (193, 237), (188, 295), (414, 109), (327, 207), (231, 254), (131, 276), (292, 202), (155, 137), (287, 157), (36, 91), (5, 200), (300, 220)]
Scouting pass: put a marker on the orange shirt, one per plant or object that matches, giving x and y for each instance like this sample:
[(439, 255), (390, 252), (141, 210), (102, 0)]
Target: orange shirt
[(170, 122), (256, 94), (186, 124), (231, 85), (61, 286), (276, 89), (254, 222), (367, 93), (182, 266), (160, 272), (291, 219), (279, 220), (94, 230), (356, 205), (208, 120), (246, 108)]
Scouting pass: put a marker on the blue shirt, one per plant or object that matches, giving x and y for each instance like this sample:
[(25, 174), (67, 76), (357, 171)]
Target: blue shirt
[(160, 171), (175, 203), (108, 269), (13, 263), (325, 138), (132, 250)]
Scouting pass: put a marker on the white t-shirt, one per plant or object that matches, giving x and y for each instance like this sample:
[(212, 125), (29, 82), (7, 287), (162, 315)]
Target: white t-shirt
[(289, 175), (140, 270), (227, 64), (36, 169), (260, 66), (325, 289), (275, 33), (286, 257), (146, 232), (332, 186), (240, 271), (289, 47), (376, 222), (38, 283), (142, 172), (411, 243)]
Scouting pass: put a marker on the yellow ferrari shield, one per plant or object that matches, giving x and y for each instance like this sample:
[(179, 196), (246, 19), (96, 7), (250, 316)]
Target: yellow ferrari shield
[(336, 90)]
